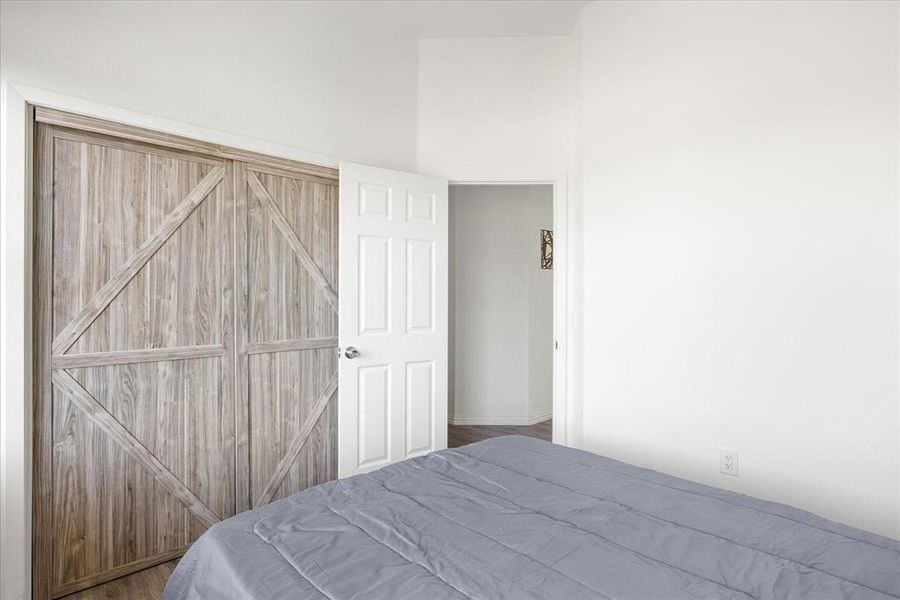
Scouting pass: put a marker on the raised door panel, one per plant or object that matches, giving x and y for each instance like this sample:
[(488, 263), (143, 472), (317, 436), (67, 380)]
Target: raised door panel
[(288, 355), (420, 283), (420, 408), (375, 283), (375, 201), (134, 436), (374, 415), (421, 207)]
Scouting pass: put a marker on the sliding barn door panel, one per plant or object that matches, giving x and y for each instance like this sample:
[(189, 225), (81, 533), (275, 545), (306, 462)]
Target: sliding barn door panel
[(290, 350), (134, 294)]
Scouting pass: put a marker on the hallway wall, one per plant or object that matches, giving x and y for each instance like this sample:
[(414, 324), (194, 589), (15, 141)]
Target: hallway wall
[(501, 305)]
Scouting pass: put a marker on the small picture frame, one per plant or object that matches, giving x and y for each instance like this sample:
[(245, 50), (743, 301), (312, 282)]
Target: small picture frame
[(546, 249)]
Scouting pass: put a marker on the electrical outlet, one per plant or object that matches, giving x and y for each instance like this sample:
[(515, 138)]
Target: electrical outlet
[(728, 461)]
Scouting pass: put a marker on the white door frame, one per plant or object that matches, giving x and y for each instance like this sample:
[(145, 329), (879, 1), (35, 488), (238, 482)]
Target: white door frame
[(562, 277), (16, 150)]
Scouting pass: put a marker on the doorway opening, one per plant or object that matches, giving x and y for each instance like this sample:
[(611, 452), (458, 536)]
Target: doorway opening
[(502, 343)]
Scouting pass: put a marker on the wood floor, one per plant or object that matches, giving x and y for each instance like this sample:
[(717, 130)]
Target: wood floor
[(460, 435), (149, 584)]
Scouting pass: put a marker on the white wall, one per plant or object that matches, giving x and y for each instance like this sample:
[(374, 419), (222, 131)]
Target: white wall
[(15, 347), (495, 104), (501, 305), (316, 76), (741, 246)]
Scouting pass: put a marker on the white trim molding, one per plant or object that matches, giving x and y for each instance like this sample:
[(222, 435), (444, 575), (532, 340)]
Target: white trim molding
[(88, 108), (15, 343), (532, 420), (563, 306)]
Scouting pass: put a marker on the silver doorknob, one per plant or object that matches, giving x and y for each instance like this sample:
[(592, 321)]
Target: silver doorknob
[(351, 352)]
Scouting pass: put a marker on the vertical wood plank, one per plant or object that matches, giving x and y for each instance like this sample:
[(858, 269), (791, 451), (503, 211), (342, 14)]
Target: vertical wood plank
[(241, 327), (227, 274)]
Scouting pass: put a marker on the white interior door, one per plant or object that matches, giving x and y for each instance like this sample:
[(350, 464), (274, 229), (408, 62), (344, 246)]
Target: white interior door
[(392, 393)]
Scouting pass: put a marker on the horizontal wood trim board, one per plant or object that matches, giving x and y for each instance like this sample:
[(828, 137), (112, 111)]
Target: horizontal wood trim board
[(127, 357), (292, 345), (105, 141), (158, 138), (116, 572)]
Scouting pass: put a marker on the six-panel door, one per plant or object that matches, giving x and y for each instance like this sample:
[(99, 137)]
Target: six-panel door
[(393, 285)]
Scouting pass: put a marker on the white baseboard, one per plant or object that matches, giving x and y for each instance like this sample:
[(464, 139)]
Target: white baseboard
[(461, 420)]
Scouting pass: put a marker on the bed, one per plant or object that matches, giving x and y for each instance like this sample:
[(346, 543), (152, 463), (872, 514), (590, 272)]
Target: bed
[(517, 517)]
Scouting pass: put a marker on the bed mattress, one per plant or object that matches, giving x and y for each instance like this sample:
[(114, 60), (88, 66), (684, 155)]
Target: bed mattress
[(516, 517)]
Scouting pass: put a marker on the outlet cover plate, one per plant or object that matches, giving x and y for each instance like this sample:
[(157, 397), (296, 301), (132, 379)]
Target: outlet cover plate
[(728, 461)]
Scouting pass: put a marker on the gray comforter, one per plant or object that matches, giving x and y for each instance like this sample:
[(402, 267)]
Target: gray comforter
[(516, 517)]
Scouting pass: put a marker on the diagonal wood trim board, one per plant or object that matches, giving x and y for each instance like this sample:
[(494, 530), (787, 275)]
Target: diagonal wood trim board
[(132, 446), (101, 299), (297, 443), (120, 571), (296, 245)]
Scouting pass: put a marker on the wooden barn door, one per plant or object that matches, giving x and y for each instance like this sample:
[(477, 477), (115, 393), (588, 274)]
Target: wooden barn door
[(135, 427), (185, 342), (287, 364)]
